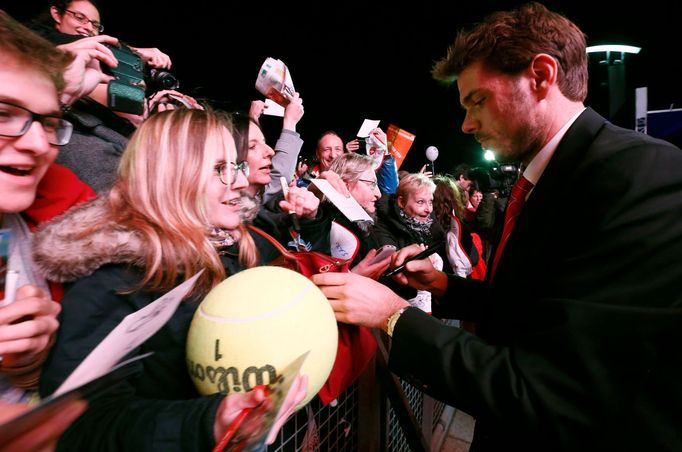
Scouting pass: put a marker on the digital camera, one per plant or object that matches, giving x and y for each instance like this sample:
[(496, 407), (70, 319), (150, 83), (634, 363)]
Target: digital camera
[(498, 178), (133, 80)]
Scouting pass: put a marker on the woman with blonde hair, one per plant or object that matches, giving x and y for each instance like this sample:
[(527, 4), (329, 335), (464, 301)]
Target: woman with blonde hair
[(406, 218), (355, 240), (172, 212)]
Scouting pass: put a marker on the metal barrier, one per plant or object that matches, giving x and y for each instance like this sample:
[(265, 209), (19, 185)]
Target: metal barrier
[(379, 412), (323, 428)]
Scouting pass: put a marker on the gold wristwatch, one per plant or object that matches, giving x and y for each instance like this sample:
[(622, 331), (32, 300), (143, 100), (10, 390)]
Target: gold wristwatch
[(392, 320)]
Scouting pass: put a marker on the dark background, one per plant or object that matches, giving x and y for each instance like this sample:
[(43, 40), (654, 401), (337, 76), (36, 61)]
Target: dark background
[(352, 60)]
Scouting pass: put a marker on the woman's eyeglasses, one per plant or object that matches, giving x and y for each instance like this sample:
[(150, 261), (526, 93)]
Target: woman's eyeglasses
[(15, 122), (371, 183), (231, 170), (83, 20)]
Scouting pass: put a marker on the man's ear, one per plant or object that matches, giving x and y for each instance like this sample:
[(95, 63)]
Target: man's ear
[(543, 71)]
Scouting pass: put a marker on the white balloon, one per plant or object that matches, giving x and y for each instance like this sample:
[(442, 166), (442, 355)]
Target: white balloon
[(432, 153)]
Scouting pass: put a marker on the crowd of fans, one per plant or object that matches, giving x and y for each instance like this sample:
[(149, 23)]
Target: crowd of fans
[(119, 208)]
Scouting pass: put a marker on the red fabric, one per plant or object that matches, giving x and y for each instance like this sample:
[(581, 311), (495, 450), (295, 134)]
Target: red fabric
[(478, 272), (516, 201), (355, 350), (356, 344), (57, 191)]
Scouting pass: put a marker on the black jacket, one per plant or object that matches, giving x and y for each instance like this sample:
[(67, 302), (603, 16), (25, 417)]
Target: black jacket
[(157, 408), (579, 332)]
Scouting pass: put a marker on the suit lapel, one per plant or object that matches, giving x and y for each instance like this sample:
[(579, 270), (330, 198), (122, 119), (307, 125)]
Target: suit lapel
[(532, 225)]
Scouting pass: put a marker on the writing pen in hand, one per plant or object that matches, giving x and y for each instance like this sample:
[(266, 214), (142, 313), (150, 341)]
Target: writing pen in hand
[(422, 255), (292, 214), (237, 423)]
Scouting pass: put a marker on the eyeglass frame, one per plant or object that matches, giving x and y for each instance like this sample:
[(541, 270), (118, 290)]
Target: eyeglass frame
[(242, 166), (83, 19), (372, 184), (63, 124)]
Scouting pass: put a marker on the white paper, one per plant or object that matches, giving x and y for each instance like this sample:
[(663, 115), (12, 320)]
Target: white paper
[(133, 330), (348, 206), (367, 126), (343, 243), (272, 108)]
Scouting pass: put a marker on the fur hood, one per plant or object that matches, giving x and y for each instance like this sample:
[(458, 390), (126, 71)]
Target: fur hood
[(249, 207), (62, 256)]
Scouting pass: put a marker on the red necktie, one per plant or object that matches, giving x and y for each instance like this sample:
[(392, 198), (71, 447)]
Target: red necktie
[(517, 198)]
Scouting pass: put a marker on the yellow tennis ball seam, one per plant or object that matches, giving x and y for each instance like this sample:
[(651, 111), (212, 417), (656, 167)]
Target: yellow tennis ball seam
[(265, 328), (272, 313)]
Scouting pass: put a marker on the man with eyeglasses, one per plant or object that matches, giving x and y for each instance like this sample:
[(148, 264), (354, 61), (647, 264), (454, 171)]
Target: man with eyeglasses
[(33, 74)]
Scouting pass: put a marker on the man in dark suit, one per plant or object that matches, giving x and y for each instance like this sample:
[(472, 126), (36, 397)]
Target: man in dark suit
[(579, 328)]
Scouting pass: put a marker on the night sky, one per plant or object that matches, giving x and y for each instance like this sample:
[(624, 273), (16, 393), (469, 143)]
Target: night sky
[(352, 60)]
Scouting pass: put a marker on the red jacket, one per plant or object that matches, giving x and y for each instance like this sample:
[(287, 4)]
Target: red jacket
[(57, 191)]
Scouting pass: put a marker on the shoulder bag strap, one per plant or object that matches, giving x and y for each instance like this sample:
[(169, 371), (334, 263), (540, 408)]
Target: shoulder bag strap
[(285, 252)]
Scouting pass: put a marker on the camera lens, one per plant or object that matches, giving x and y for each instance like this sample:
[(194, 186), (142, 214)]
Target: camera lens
[(159, 80)]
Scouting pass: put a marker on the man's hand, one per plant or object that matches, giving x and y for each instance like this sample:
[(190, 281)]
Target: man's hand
[(359, 300), (419, 274)]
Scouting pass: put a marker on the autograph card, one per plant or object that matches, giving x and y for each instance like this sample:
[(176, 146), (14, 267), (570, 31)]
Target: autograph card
[(133, 330), (254, 430)]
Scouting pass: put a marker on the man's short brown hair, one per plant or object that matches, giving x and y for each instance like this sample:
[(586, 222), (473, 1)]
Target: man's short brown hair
[(20, 44), (507, 42)]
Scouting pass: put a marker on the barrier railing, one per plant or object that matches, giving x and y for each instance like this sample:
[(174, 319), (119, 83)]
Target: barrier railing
[(379, 412)]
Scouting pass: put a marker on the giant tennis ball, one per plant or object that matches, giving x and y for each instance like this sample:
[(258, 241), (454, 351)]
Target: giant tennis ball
[(255, 323)]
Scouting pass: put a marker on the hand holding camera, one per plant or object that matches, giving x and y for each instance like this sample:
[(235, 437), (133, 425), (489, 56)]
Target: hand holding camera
[(84, 73), (153, 57), (133, 80), (170, 100)]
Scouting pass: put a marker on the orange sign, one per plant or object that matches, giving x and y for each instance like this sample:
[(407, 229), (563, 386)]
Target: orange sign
[(399, 143)]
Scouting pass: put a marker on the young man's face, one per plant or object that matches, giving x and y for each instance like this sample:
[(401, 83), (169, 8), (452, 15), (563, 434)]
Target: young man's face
[(25, 159), (501, 112)]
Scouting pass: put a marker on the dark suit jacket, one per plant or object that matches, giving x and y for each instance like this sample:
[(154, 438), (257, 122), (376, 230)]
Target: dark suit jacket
[(580, 332)]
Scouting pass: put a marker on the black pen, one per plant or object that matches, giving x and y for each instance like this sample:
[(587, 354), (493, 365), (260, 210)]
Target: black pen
[(424, 254)]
